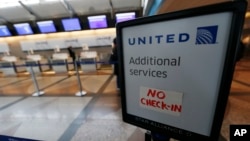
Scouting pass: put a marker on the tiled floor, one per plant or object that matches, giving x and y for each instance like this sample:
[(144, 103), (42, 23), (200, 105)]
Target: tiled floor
[(59, 115)]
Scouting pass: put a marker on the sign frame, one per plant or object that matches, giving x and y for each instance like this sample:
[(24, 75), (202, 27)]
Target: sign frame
[(238, 9)]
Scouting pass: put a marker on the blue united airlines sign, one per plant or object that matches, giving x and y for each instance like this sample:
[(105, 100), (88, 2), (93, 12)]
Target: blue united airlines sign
[(159, 39), (205, 35)]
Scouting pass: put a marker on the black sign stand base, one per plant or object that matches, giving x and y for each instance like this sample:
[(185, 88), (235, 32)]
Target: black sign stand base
[(155, 136), (147, 136)]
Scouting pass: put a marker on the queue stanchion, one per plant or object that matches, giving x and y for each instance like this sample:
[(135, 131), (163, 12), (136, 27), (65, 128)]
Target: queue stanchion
[(148, 136), (33, 76), (81, 92)]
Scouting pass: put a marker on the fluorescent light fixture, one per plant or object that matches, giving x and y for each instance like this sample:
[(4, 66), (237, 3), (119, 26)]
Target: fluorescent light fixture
[(13, 3)]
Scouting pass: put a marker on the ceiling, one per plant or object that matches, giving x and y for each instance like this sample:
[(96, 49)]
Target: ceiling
[(14, 11), (175, 5), (34, 10), (30, 10)]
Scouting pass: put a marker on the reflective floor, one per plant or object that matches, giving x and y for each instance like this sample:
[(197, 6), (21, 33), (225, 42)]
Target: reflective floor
[(59, 115)]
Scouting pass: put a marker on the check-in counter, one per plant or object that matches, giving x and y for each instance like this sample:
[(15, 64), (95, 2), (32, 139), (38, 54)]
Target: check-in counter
[(9, 58), (34, 64), (7, 68), (88, 61), (17, 65), (34, 61), (35, 57), (59, 62), (42, 63)]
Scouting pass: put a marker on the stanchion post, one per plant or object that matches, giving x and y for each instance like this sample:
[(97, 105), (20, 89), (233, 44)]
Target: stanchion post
[(38, 92), (81, 92), (148, 136)]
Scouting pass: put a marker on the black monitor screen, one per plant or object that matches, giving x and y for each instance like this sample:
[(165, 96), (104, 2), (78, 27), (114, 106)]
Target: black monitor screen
[(71, 24), (46, 26), (97, 22), (4, 31), (23, 29), (120, 17)]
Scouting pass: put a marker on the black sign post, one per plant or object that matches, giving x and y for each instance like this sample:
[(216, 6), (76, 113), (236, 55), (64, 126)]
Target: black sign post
[(176, 69)]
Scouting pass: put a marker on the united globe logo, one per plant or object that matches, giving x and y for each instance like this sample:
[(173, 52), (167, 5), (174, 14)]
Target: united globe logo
[(206, 35)]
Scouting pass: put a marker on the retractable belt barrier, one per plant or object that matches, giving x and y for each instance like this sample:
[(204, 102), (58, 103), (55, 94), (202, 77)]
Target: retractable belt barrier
[(10, 65), (32, 64)]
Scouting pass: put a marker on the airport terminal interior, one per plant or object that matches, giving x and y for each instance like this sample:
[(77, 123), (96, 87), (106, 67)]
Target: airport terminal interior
[(60, 115), (45, 96)]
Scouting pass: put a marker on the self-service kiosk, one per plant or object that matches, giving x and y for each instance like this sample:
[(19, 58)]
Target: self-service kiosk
[(11, 64), (59, 62), (34, 64), (7, 68), (88, 61), (34, 61)]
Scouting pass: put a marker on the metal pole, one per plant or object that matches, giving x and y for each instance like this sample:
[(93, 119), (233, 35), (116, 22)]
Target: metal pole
[(81, 92), (38, 92)]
